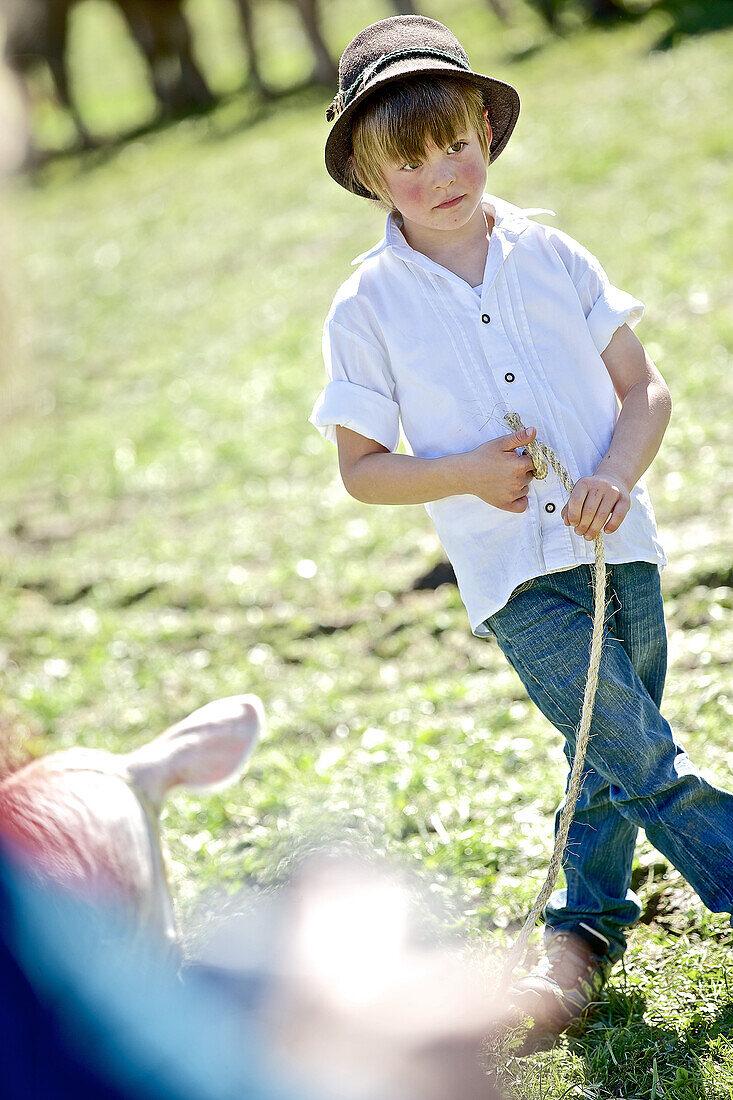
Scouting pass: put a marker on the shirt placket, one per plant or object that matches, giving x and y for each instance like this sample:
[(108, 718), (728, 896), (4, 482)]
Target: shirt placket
[(519, 390), (558, 540)]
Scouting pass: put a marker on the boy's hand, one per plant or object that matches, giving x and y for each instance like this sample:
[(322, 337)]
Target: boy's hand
[(497, 474), (596, 503)]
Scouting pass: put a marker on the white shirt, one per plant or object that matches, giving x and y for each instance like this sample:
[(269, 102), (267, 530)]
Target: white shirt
[(407, 342)]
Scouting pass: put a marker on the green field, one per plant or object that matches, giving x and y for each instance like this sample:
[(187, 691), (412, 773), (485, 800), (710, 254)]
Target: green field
[(173, 530)]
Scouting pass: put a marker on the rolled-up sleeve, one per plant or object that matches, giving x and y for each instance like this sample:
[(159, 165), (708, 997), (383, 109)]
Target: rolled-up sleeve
[(606, 307), (359, 394)]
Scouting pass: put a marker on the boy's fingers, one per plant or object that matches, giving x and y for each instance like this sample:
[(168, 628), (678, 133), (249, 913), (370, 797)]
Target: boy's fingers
[(591, 509), (618, 515), (585, 510), (595, 513), (518, 439), (595, 527), (573, 510)]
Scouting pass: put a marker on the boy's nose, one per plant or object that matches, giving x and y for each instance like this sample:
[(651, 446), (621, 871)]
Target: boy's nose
[(444, 174)]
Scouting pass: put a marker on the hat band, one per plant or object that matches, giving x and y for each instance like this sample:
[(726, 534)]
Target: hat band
[(342, 99)]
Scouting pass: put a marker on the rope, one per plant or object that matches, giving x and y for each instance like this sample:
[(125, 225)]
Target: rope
[(543, 456)]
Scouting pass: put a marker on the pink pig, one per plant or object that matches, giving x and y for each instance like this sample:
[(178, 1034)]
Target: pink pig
[(88, 820)]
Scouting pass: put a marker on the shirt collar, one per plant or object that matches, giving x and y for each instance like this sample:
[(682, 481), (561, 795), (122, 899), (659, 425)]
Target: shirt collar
[(510, 221)]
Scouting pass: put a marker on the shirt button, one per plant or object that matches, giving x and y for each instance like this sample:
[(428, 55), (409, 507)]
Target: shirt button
[(550, 507), (485, 318), (509, 377)]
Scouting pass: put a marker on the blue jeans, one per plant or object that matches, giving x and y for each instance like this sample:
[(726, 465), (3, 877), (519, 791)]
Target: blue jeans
[(637, 774)]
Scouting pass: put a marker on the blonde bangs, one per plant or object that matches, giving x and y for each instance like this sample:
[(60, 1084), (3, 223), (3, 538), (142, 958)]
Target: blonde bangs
[(396, 126)]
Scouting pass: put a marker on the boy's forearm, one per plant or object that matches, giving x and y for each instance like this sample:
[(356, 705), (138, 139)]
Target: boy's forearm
[(639, 431), (387, 478)]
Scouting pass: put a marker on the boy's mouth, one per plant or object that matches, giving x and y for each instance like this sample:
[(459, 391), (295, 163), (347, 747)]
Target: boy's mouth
[(450, 202)]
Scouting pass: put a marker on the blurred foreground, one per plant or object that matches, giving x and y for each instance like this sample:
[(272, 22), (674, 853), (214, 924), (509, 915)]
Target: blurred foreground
[(326, 988)]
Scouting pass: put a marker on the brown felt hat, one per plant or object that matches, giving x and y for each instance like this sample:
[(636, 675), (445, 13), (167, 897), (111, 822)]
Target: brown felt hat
[(399, 47)]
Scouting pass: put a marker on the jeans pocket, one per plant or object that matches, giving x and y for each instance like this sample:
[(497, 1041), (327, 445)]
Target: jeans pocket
[(523, 587)]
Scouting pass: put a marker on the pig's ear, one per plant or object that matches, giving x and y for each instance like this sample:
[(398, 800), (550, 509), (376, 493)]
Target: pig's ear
[(204, 750)]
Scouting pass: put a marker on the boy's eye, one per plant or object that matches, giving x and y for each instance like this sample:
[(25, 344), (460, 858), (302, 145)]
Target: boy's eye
[(410, 167), (457, 146)]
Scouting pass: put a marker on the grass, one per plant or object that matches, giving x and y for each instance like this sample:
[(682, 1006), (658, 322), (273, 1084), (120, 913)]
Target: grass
[(172, 529)]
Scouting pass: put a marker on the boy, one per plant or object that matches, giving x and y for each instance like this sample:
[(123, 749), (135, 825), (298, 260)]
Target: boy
[(464, 312)]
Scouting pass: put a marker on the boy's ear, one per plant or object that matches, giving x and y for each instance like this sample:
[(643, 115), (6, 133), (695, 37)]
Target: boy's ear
[(488, 126)]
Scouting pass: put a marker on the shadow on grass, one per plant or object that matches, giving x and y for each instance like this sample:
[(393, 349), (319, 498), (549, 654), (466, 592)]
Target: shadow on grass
[(686, 18), (693, 17), (300, 97), (103, 149), (249, 110), (629, 1056)]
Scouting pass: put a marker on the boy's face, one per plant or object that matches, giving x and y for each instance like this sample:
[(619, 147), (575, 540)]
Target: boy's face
[(444, 190)]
